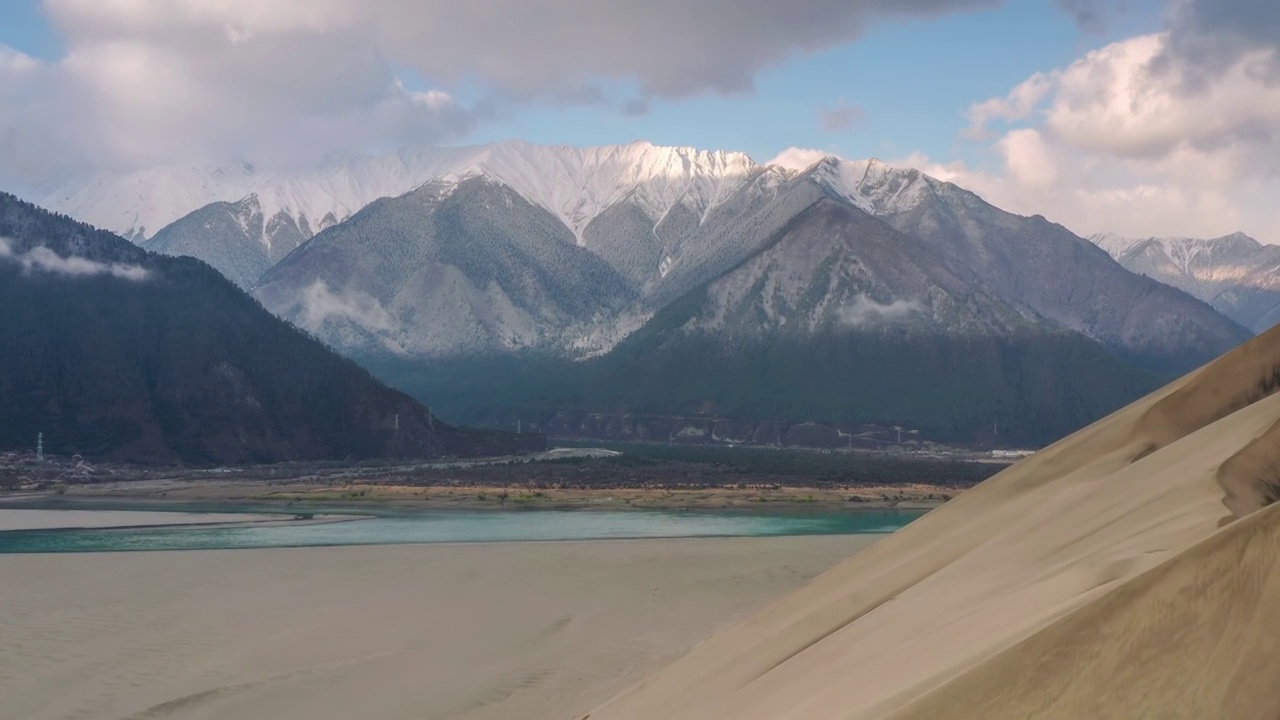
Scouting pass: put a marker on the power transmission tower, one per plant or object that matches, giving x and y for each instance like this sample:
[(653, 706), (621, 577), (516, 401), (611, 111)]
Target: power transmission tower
[(40, 446)]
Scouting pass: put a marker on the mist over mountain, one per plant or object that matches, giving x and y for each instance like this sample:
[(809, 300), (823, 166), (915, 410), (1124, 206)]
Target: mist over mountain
[(122, 354), (1237, 275)]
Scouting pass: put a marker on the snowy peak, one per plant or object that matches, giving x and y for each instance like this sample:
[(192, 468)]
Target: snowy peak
[(577, 184), (1115, 245), (574, 184), (1183, 250), (871, 185), (1212, 260)]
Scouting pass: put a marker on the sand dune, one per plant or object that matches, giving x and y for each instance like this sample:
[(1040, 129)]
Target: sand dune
[(519, 631), (1110, 575)]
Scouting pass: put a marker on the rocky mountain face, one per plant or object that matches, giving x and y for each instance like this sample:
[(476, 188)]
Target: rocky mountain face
[(1237, 275), (1049, 275), (648, 245), (447, 270), (121, 354)]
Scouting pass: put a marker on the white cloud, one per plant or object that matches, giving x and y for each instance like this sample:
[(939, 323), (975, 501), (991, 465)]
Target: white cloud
[(1028, 159), (42, 259), (797, 158), (1113, 101), (14, 65), (145, 82), (1115, 142), (864, 311), (320, 304), (1017, 105), (534, 47)]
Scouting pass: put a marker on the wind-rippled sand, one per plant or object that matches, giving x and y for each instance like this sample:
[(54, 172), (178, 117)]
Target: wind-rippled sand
[(521, 630)]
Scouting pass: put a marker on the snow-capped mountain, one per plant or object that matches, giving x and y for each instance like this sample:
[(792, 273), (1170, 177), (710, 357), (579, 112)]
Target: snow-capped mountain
[(242, 219), (1051, 276), (659, 223), (666, 280), (1236, 274), (665, 219)]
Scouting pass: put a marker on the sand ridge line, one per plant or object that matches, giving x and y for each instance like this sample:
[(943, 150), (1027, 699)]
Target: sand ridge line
[(999, 566)]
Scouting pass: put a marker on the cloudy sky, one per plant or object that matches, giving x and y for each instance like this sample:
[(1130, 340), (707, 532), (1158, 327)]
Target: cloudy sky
[(1135, 116)]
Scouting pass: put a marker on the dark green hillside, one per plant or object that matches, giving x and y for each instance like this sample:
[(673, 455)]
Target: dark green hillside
[(1036, 389), (180, 365)]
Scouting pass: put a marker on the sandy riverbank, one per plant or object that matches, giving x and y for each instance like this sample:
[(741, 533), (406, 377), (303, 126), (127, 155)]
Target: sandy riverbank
[(529, 631), (12, 518), (316, 496)]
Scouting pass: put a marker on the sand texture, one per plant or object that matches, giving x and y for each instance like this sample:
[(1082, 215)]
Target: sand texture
[(526, 631), (1131, 570)]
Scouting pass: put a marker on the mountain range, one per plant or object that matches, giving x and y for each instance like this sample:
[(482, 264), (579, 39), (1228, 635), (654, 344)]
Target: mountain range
[(121, 354), (1236, 274), (523, 280)]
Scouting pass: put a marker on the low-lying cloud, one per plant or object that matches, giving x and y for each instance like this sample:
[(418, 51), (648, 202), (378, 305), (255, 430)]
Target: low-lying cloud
[(42, 259), (864, 311), (319, 304)]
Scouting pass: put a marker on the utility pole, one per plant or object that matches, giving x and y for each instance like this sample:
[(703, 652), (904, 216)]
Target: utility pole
[(397, 421)]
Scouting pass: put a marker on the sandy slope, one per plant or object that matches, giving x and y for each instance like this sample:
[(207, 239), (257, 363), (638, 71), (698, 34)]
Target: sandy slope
[(1106, 576), (526, 631)]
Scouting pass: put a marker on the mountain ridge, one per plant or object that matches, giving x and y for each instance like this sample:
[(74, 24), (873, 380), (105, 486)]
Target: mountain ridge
[(138, 205), (1236, 274)]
